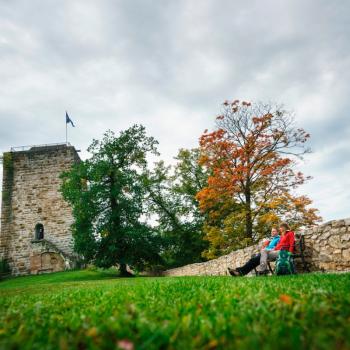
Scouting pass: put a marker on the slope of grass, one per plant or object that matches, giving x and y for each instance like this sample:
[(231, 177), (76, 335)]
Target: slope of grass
[(58, 277), (91, 310)]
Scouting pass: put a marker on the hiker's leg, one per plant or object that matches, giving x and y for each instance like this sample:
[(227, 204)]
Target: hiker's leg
[(273, 255), (267, 255), (249, 265), (263, 260)]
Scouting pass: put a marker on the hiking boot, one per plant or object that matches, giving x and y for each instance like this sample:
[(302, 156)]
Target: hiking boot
[(233, 272)]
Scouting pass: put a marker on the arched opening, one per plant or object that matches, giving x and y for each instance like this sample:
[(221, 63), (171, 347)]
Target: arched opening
[(39, 231)]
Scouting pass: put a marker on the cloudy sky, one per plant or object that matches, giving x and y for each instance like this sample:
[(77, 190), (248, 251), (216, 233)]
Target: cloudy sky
[(169, 64)]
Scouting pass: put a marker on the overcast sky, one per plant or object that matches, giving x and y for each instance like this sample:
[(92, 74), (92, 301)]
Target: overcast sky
[(169, 65)]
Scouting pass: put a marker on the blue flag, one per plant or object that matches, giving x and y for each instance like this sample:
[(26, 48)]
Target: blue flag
[(68, 120)]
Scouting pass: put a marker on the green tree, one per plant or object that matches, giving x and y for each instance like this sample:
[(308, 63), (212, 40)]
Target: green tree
[(107, 194), (171, 195)]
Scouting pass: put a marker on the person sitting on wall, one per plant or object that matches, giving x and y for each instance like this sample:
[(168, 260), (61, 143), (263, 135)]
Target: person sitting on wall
[(255, 260), (285, 243)]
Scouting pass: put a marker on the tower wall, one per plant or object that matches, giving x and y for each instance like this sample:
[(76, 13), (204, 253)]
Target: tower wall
[(30, 196)]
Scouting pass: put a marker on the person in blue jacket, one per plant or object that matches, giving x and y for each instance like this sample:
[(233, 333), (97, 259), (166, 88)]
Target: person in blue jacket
[(255, 260)]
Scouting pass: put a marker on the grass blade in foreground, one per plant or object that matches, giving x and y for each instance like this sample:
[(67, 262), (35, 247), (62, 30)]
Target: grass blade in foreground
[(93, 310)]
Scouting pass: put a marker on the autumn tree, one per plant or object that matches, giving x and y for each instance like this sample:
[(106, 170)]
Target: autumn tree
[(252, 155), (108, 200)]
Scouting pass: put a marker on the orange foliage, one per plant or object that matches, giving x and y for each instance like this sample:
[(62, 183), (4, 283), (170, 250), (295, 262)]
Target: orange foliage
[(246, 156)]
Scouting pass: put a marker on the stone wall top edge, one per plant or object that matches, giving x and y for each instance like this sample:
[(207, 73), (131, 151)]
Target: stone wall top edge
[(345, 221), (43, 150), (310, 229)]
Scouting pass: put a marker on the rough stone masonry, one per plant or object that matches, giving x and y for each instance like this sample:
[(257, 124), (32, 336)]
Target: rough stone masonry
[(327, 248), (35, 220)]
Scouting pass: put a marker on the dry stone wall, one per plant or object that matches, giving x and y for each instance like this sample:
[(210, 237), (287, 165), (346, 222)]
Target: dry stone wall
[(31, 196), (327, 248)]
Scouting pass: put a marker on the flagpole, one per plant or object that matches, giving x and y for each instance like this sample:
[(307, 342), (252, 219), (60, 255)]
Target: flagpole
[(66, 133)]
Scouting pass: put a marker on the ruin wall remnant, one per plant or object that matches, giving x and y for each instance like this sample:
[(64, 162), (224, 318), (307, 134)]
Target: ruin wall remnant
[(327, 248)]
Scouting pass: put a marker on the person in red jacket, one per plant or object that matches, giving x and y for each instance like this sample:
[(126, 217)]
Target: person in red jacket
[(285, 243)]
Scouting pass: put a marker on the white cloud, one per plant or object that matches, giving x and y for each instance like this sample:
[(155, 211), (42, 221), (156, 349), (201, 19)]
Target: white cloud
[(169, 65)]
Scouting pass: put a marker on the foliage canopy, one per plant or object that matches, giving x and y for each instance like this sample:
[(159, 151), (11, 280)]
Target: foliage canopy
[(224, 195), (107, 195), (252, 157)]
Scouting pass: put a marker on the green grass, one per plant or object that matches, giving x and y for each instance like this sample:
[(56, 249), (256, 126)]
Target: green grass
[(94, 310), (70, 276)]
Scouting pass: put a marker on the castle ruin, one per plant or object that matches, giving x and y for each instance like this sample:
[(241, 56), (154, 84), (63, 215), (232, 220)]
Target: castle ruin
[(35, 234)]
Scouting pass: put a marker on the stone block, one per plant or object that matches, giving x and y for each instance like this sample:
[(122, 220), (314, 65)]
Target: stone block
[(335, 242), (346, 255), (345, 238), (324, 258), (342, 230), (326, 228), (324, 235)]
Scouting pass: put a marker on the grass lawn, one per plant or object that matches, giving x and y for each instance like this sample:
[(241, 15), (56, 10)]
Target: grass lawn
[(95, 310)]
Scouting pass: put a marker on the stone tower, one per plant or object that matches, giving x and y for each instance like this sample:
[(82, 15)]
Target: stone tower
[(35, 220)]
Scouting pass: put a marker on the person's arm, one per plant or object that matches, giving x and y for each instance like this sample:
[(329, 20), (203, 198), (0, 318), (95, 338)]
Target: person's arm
[(273, 243), (265, 244)]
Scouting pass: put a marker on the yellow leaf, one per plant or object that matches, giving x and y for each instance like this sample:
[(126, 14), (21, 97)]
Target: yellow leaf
[(92, 332), (213, 344)]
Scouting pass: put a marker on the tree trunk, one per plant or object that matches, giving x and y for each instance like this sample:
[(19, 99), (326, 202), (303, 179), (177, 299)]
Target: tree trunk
[(248, 213), (123, 271)]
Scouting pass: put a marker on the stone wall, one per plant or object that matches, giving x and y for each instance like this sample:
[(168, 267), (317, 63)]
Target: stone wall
[(45, 257), (327, 248), (31, 196)]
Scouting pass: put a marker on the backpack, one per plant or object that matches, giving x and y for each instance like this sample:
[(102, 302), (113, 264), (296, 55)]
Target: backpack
[(284, 263)]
